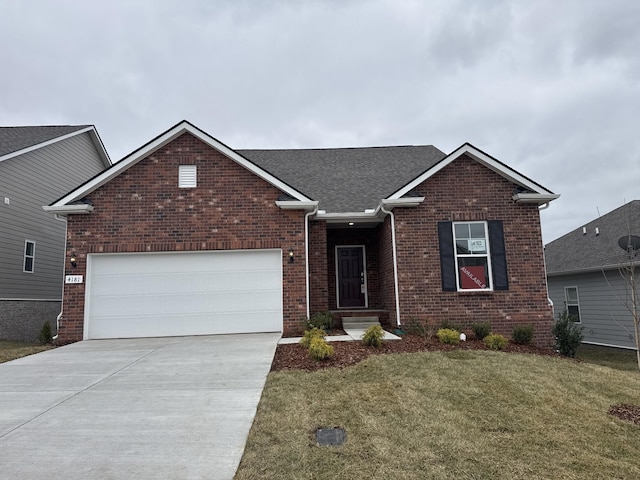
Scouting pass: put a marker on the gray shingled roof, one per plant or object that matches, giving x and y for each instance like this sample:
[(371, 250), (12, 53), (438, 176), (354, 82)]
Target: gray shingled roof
[(347, 179), (577, 251), (13, 139)]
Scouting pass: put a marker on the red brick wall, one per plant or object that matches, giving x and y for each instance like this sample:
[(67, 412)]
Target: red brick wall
[(143, 210), (318, 281), (465, 190), (386, 272)]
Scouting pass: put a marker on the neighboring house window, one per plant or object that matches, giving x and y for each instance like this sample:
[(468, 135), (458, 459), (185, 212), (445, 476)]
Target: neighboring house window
[(187, 176), (29, 256), (472, 256), (572, 303)]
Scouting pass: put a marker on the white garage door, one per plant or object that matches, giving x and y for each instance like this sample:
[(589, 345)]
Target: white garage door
[(190, 293)]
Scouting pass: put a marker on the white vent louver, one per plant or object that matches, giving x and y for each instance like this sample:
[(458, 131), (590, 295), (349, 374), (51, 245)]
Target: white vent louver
[(187, 176)]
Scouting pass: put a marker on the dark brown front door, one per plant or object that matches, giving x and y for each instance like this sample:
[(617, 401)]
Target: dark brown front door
[(351, 277)]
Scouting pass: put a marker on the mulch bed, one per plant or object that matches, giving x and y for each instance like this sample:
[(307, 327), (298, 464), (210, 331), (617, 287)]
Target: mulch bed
[(630, 413), (295, 356)]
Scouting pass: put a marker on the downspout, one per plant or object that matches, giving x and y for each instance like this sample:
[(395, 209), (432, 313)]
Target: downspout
[(395, 261), (306, 256), (59, 317)]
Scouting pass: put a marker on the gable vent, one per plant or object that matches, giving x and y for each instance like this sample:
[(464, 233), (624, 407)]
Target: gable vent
[(187, 176)]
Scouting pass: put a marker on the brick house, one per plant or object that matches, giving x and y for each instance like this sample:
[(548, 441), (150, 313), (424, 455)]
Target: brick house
[(186, 236)]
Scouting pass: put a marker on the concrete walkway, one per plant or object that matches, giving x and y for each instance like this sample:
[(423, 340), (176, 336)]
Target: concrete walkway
[(178, 408), (352, 335)]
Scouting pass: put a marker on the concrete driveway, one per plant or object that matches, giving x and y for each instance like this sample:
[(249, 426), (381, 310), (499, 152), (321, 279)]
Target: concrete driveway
[(174, 408)]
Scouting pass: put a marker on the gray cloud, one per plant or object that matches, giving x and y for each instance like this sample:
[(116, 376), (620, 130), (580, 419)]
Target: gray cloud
[(551, 88)]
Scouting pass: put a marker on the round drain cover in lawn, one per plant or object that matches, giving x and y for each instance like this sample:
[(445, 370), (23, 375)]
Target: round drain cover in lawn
[(333, 437)]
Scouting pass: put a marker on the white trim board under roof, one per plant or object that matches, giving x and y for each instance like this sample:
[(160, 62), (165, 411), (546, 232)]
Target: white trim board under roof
[(536, 192), (97, 141), (159, 142)]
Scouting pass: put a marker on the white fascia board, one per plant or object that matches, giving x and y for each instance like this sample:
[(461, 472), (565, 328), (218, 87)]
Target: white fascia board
[(402, 202), (479, 156), (47, 143), (349, 216), (309, 206), (69, 209), (537, 198), (159, 142)]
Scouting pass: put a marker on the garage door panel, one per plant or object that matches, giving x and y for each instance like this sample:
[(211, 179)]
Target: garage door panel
[(187, 293)]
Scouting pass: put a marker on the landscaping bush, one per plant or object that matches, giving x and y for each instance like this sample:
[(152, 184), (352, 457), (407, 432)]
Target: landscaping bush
[(322, 320), (310, 335), (319, 349), (481, 329), (373, 336), (523, 334), (449, 336), (568, 335), (421, 327), (495, 341), (449, 325), (45, 334)]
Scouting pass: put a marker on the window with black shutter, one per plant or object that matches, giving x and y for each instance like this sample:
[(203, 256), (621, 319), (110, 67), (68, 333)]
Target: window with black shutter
[(472, 256)]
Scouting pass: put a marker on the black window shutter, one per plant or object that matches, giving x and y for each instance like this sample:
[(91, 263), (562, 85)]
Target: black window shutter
[(498, 255), (447, 260)]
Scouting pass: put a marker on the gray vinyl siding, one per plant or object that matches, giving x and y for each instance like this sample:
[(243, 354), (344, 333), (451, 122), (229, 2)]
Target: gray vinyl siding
[(604, 306), (30, 181)]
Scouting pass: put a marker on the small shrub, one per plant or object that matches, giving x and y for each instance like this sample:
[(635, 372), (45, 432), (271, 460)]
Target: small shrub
[(449, 336), (422, 327), (523, 334), (373, 336), (495, 341), (449, 325), (568, 335), (309, 335), (45, 334), (319, 349), (322, 320), (481, 329)]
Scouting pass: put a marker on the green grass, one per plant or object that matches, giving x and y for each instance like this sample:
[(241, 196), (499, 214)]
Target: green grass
[(455, 415), (618, 358), (11, 350)]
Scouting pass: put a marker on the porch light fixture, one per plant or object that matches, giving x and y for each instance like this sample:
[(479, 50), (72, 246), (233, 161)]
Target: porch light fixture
[(73, 261), (291, 255), (351, 224)]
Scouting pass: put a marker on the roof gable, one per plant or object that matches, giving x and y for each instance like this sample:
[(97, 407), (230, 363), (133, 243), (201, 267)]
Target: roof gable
[(535, 193), (162, 140), (594, 246), (15, 141)]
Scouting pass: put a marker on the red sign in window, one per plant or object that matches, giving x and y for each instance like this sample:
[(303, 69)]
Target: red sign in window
[(472, 278)]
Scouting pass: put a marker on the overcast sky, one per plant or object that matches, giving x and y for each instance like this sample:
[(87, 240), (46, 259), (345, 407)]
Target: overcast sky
[(551, 88)]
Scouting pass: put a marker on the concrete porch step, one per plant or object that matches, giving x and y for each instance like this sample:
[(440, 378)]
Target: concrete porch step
[(359, 323)]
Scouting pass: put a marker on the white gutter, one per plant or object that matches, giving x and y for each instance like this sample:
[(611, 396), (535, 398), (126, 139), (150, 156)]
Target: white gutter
[(392, 204), (306, 256), (311, 207), (539, 198), (66, 226), (69, 209)]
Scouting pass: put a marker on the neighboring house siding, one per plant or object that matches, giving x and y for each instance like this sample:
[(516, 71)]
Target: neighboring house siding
[(467, 191), (143, 210), (30, 181), (604, 306)]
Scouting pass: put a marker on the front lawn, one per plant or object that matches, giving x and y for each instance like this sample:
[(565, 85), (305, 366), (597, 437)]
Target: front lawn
[(619, 358), (11, 350), (458, 414)]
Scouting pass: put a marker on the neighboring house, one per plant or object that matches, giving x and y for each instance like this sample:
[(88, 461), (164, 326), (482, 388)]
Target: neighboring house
[(583, 269), (37, 165), (186, 236)]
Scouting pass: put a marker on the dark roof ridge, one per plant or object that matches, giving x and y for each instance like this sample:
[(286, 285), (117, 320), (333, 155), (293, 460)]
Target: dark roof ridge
[(329, 148)]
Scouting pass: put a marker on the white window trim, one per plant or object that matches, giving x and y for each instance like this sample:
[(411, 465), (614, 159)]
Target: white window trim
[(488, 256), (576, 304), (187, 176), (32, 257), (364, 269)]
